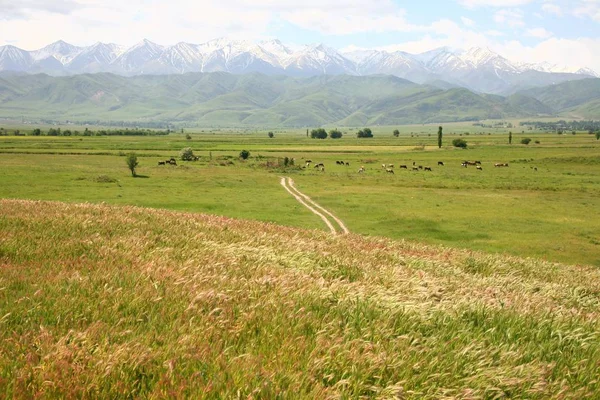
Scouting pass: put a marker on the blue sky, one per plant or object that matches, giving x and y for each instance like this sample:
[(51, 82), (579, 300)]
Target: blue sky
[(556, 31)]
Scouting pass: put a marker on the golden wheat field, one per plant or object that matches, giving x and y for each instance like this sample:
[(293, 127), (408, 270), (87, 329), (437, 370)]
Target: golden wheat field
[(125, 302)]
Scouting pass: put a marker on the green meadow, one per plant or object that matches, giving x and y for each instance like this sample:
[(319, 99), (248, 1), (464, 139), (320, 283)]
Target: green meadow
[(541, 206)]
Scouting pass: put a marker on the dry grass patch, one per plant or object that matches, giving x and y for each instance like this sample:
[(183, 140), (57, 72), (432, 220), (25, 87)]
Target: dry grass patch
[(99, 301)]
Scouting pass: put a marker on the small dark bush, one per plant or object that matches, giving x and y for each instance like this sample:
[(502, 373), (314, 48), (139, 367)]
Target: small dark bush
[(318, 133), (335, 134), (365, 133), (525, 140), (244, 154), (460, 143)]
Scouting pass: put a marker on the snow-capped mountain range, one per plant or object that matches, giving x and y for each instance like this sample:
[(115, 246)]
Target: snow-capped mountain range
[(479, 69)]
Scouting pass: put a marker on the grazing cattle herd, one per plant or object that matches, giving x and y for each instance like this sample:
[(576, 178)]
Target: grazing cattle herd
[(170, 161), (388, 168)]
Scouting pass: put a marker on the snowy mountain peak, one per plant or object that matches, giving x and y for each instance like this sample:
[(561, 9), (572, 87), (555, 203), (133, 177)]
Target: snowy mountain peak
[(477, 68), (61, 50), (480, 55)]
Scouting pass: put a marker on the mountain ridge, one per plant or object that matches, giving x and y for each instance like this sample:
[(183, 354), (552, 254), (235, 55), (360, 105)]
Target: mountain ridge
[(255, 99), (478, 69)]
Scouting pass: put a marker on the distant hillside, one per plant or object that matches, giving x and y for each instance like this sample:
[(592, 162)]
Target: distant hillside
[(223, 99), (581, 96)]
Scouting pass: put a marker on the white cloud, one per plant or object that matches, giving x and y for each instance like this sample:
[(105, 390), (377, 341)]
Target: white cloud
[(540, 33), (574, 53), (467, 22), (493, 3), (494, 33), (588, 8), (84, 22), (511, 17), (550, 8)]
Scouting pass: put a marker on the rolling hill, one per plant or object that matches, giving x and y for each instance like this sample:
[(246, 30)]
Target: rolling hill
[(223, 99), (580, 98), (112, 302)]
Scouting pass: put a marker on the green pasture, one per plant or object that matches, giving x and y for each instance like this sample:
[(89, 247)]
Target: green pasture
[(543, 205)]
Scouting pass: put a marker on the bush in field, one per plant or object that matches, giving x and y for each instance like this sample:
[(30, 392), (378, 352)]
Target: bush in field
[(597, 135), (525, 140), (318, 133), (187, 154), (396, 133), (132, 162), (271, 135), (188, 136), (244, 154), (335, 134), (365, 133), (459, 143)]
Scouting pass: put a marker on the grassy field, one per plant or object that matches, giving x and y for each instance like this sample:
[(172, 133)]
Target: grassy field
[(543, 212), (101, 301)]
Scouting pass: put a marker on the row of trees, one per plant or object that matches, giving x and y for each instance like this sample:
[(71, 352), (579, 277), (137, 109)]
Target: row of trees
[(321, 133), (590, 126), (88, 132)]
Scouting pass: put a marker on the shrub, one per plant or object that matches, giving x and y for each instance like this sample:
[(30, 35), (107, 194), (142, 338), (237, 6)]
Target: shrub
[(597, 135), (396, 132), (335, 134), (271, 135), (365, 133), (188, 136), (537, 142), (244, 154), (459, 143), (318, 133), (525, 140), (187, 154)]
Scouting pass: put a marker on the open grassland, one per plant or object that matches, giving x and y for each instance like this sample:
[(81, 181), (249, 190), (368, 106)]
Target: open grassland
[(125, 302), (542, 206)]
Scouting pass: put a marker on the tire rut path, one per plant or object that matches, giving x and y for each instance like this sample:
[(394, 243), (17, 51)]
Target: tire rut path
[(325, 215)]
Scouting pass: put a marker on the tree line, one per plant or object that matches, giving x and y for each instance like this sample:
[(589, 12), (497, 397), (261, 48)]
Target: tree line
[(86, 132), (321, 133), (561, 126)]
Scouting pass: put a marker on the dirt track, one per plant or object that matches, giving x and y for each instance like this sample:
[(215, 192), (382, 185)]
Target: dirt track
[(288, 184)]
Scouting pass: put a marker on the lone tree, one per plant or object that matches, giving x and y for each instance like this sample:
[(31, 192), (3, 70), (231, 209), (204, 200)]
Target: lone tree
[(440, 137), (244, 154), (510, 137), (187, 154), (459, 143), (271, 135), (396, 133), (132, 163), (318, 133), (335, 134), (365, 133)]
